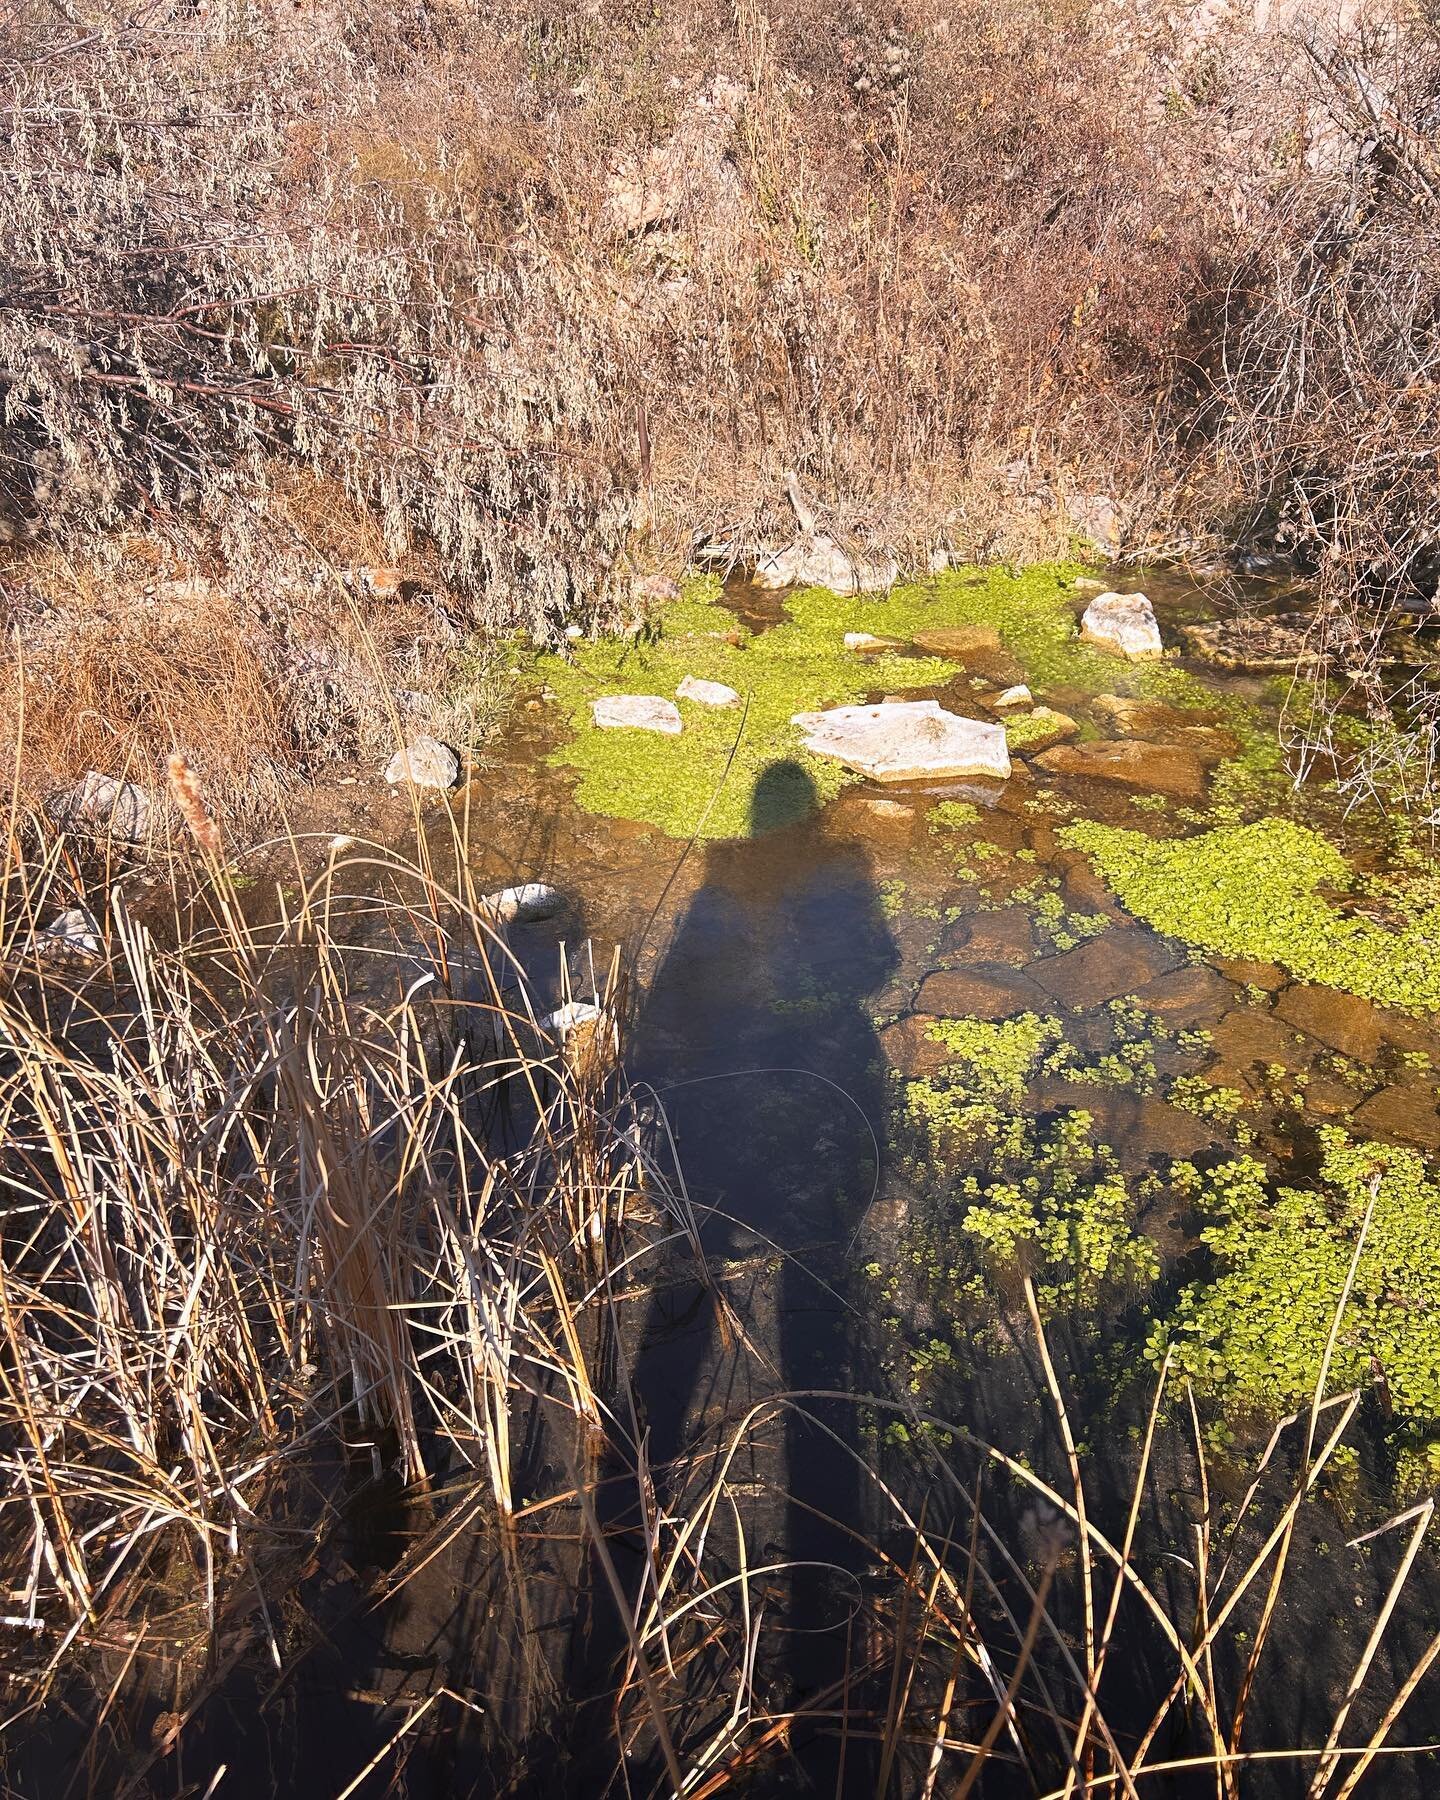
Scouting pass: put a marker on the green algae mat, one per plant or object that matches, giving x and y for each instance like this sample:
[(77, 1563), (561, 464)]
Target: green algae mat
[(704, 782)]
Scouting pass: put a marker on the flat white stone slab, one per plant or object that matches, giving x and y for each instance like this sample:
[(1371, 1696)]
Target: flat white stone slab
[(1123, 624), (636, 712), (707, 693), (907, 740)]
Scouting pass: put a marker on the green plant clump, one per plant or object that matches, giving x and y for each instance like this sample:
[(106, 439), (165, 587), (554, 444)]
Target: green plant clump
[(1256, 1331), (1256, 891), (705, 780), (1004, 1193)]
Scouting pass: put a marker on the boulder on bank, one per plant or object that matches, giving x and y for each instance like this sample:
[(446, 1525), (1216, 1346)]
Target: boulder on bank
[(812, 559), (424, 763), (818, 561), (906, 740), (106, 807), (1123, 624), (707, 693), (636, 712)]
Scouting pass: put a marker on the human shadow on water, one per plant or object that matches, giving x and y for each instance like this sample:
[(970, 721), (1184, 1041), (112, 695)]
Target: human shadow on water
[(758, 1039)]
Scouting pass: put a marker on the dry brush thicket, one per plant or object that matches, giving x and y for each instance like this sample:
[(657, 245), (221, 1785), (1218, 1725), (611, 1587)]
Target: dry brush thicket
[(519, 301)]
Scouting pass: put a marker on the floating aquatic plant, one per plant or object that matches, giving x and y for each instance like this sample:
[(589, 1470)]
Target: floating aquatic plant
[(1259, 891), (1255, 1328)]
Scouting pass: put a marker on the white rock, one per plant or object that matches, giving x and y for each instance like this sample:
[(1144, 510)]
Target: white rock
[(1123, 624), (524, 903), (707, 693), (101, 804), (820, 562), (776, 568), (867, 640), (636, 712), (574, 633), (906, 740), (426, 762), (75, 933), (581, 1027), (1019, 695)]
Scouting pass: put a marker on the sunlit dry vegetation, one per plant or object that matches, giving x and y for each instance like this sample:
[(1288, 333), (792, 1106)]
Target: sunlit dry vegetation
[(529, 303)]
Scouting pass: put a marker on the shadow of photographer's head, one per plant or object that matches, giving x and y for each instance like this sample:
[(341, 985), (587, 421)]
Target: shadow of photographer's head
[(784, 794)]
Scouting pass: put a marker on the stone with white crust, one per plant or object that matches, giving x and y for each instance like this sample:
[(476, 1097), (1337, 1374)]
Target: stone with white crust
[(907, 740), (1123, 624), (637, 712), (707, 693)]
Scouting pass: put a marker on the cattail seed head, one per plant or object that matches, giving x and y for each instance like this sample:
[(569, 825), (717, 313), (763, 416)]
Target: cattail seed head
[(189, 796)]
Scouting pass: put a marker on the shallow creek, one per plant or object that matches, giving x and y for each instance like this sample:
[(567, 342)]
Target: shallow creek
[(912, 1045), (918, 1004)]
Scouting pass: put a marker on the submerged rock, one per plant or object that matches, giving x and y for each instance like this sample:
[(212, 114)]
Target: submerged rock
[(1123, 624), (957, 641), (425, 763), (101, 804), (1345, 1022), (1128, 717), (1408, 1115), (1006, 936), (1193, 995), (637, 712), (1283, 641), (991, 994), (1115, 963), (524, 903), (1149, 768), (907, 740), (910, 1050), (707, 693)]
